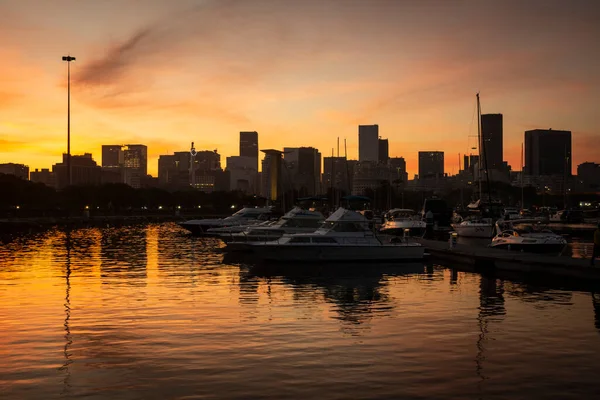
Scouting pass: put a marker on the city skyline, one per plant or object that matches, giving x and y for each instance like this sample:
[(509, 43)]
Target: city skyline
[(301, 75)]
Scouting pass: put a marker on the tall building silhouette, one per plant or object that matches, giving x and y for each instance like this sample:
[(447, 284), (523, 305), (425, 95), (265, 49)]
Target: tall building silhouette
[(431, 164), (18, 170), (398, 167), (249, 145), (547, 152), (302, 170), (368, 143), (491, 132), (84, 171), (135, 164), (383, 151), (112, 155)]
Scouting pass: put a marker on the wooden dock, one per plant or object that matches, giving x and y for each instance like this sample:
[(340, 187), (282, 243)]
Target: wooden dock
[(486, 259)]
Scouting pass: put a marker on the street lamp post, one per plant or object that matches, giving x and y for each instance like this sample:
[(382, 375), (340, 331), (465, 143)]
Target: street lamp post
[(68, 59)]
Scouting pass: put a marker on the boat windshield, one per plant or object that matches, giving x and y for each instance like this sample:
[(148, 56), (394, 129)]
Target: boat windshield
[(400, 215), (531, 229), (250, 213), (302, 222), (344, 226)]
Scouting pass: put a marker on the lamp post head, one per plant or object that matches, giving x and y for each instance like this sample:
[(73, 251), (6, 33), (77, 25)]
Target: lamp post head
[(68, 58)]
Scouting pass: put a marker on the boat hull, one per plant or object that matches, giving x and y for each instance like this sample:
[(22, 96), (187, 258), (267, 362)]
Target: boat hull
[(539, 248), (337, 253), (398, 231), (476, 231), (197, 229)]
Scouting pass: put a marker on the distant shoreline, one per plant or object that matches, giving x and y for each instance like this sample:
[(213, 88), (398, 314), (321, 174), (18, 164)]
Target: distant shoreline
[(16, 226)]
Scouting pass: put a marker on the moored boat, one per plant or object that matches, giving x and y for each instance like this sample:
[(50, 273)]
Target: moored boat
[(398, 220), (296, 220), (247, 215), (475, 226), (528, 236), (344, 236)]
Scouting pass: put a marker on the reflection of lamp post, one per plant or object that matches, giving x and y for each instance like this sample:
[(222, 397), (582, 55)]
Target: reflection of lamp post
[(68, 59)]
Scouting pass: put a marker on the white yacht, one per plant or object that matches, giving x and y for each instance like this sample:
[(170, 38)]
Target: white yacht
[(344, 236), (527, 235), (397, 220), (226, 232), (245, 216), (475, 226), (296, 220)]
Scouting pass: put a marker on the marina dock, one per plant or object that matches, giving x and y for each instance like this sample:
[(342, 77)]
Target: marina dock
[(485, 259)]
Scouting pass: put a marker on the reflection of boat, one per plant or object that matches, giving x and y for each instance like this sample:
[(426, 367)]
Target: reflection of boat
[(398, 220), (345, 236), (527, 235), (475, 226), (295, 221), (246, 215)]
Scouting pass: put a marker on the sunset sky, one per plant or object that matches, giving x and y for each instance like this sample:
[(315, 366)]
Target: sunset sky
[(301, 73)]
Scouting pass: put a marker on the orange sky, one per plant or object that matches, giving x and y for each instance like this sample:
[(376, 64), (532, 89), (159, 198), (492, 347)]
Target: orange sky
[(300, 73)]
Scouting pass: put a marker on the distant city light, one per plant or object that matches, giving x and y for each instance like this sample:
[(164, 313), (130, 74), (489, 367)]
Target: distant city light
[(199, 206), (20, 207), (233, 206), (87, 207), (179, 207), (160, 207)]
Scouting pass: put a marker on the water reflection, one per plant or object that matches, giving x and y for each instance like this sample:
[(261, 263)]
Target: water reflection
[(491, 305), (123, 256), (193, 326), (596, 305), (68, 339), (356, 291)]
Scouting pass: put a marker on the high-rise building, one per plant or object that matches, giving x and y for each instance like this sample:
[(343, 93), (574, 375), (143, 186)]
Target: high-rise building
[(174, 170), (243, 174), (84, 171), (469, 162), (249, 146), (588, 173), (112, 155), (302, 170), (398, 167), (271, 174), (339, 169), (369, 175), (384, 151), (18, 170), (547, 152), (368, 143), (44, 176), (491, 133), (135, 164), (431, 164)]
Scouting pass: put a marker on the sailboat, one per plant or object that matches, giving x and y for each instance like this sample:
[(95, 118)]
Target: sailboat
[(477, 225)]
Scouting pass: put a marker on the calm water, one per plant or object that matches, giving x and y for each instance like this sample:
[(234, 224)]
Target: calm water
[(149, 313)]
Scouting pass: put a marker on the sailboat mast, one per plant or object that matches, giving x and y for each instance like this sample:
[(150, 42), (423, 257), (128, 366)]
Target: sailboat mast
[(479, 141)]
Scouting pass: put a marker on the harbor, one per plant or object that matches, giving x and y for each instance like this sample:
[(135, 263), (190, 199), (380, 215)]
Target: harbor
[(144, 306)]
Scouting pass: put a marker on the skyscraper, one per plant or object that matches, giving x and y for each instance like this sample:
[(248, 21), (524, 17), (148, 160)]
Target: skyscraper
[(491, 133), (384, 151), (431, 164), (249, 145), (135, 164), (302, 169), (398, 167), (547, 152), (112, 155), (368, 143)]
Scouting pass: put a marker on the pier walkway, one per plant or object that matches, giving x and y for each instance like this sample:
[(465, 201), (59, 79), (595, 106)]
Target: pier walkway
[(486, 259)]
